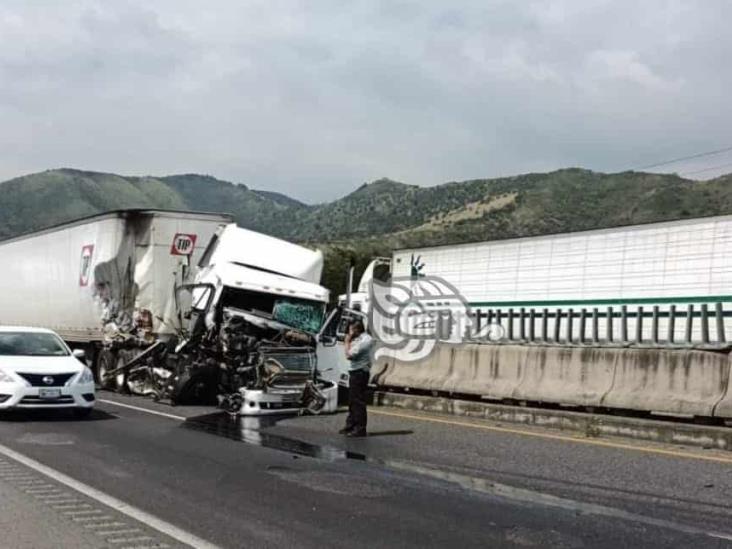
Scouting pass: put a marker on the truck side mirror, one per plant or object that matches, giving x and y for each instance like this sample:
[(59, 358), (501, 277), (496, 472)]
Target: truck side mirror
[(327, 340)]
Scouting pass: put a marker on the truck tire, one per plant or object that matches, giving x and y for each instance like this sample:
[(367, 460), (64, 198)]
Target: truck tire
[(106, 362), (193, 389), (120, 379)]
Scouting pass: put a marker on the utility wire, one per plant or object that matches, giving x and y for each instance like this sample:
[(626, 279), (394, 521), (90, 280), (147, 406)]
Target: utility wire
[(700, 155), (708, 169)]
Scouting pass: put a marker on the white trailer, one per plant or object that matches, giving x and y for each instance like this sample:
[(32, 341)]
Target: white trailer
[(113, 269), (667, 283), (653, 271)]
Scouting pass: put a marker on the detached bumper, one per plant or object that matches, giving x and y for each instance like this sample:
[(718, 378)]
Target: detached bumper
[(282, 401), (77, 395)]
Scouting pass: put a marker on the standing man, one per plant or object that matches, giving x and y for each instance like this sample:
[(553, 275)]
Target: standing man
[(358, 351)]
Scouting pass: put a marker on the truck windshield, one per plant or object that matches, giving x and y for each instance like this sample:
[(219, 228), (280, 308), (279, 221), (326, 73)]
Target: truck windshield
[(31, 344), (298, 313), (301, 314)]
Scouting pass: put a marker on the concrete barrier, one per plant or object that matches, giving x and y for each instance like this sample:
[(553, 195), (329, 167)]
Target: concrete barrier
[(669, 381), (680, 382), (500, 369), (578, 376), (493, 371), (427, 374), (724, 406)]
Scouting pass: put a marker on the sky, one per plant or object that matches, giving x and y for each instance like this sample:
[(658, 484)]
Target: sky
[(313, 98)]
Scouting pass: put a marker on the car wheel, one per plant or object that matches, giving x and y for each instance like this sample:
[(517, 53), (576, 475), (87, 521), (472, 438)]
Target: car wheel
[(82, 413)]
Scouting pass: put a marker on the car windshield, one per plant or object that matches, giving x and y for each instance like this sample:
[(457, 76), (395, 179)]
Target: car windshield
[(31, 344)]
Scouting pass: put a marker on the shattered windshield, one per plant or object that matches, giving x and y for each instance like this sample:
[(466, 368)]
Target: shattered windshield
[(300, 314)]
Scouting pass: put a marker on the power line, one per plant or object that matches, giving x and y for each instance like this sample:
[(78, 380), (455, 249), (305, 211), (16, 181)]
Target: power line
[(693, 156), (708, 169)]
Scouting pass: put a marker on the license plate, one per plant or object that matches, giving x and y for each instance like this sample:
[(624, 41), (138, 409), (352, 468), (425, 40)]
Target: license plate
[(49, 393)]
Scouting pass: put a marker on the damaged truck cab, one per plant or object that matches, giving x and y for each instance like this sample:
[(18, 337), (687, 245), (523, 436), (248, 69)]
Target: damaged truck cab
[(254, 309)]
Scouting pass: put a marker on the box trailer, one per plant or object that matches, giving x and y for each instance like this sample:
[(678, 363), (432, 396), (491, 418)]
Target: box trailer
[(110, 270), (658, 284)]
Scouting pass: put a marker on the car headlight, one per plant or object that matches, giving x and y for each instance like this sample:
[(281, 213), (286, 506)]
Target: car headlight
[(86, 376), (5, 378)]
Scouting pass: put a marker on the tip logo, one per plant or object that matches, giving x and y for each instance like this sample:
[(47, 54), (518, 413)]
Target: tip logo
[(183, 244)]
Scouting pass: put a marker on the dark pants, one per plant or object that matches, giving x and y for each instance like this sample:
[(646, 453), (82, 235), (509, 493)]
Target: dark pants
[(357, 387)]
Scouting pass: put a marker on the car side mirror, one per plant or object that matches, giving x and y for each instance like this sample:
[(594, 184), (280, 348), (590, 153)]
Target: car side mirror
[(79, 354)]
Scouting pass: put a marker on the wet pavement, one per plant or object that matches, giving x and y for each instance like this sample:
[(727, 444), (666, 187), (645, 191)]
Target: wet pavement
[(293, 481)]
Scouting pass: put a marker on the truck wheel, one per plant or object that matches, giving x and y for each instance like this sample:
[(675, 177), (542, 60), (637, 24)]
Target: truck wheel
[(196, 389), (105, 363), (120, 378)]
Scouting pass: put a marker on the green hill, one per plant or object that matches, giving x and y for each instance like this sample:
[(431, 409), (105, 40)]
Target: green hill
[(378, 216)]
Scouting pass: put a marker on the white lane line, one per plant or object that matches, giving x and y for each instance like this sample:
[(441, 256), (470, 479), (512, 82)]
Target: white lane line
[(96, 525), (83, 513), (119, 532), (140, 409), (110, 501), (87, 519), (70, 506), (54, 503), (129, 540)]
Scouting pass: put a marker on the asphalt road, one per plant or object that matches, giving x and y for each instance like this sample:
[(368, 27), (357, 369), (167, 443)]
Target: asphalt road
[(417, 481)]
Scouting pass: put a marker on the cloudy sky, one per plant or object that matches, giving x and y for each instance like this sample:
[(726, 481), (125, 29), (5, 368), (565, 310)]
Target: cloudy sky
[(312, 98)]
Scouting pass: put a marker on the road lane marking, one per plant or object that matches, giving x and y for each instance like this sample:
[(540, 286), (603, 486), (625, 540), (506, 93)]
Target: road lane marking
[(110, 501), (105, 525), (593, 442), (533, 497), (119, 532), (83, 513), (87, 519), (504, 490), (130, 540), (140, 409)]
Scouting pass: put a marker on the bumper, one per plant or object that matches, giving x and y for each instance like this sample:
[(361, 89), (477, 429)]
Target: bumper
[(260, 403), (16, 396)]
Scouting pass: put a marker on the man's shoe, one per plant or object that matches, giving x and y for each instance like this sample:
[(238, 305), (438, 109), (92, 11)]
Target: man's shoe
[(356, 434), (344, 431)]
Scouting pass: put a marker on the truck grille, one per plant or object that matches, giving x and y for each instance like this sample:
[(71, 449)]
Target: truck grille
[(36, 380), (292, 362)]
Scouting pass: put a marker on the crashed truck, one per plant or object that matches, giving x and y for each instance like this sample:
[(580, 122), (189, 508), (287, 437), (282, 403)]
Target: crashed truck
[(181, 306)]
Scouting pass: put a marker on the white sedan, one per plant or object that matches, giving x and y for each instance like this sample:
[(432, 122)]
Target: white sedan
[(38, 370)]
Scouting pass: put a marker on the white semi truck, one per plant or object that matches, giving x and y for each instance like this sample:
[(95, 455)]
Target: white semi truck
[(177, 305)]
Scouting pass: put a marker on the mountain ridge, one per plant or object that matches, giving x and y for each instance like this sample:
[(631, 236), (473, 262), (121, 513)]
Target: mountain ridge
[(379, 216)]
